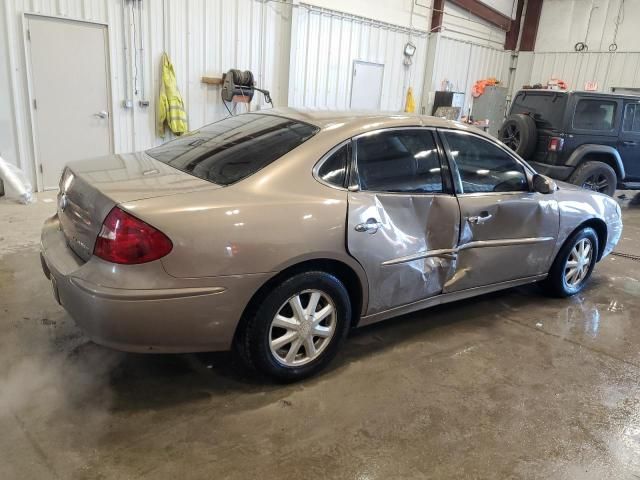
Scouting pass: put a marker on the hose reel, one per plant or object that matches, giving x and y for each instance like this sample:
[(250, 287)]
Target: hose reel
[(239, 86)]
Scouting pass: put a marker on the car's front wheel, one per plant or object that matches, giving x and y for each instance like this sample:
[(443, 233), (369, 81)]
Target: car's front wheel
[(574, 263), (297, 327)]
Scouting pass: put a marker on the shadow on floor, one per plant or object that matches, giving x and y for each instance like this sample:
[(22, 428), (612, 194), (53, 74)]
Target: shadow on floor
[(157, 381)]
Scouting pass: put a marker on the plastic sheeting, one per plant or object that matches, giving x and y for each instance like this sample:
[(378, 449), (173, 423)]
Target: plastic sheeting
[(16, 183)]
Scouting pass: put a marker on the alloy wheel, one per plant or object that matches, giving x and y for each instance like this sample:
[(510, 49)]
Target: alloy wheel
[(597, 183), (302, 328), (511, 137), (577, 266)]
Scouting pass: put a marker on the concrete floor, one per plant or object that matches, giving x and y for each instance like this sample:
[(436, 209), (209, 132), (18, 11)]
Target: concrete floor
[(511, 385)]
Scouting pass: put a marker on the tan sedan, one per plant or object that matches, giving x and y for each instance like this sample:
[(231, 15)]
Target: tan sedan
[(276, 232)]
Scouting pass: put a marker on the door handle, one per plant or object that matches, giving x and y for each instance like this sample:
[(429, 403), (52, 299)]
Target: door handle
[(101, 114), (480, 219), (371, 226), (630, 143)]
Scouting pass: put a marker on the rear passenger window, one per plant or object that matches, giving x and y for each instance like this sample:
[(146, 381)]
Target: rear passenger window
[(631, 122), (399, 161), (594, 114), (334, 169), (483, 167)]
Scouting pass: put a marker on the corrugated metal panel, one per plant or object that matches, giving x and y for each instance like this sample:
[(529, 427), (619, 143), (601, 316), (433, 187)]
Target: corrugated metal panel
[(463, 63), (619, 69), (324, 45), (461, 24), (201, 37)]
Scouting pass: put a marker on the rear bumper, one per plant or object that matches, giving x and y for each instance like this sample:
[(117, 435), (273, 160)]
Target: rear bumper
[(162, 314), (559, 172)]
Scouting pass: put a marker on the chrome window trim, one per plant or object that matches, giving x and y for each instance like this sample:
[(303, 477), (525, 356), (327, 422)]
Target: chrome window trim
[(324, 158), (528, 170), (495, 194), (354, 159), (404, 194)]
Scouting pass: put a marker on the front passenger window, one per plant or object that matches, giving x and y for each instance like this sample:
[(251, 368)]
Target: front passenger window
[(484, 167)]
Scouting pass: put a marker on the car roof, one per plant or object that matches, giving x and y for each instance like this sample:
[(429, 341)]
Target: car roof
[(582, 93), (360, 121)]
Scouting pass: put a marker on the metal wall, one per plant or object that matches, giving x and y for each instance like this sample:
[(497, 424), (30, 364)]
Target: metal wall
[(463, 63), (324, 45), (599, 24), (460, 24), (619, 69), (304, 55), (200, 36)]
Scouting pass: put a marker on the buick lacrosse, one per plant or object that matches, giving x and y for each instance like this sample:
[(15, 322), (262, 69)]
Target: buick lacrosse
[(274, 233)]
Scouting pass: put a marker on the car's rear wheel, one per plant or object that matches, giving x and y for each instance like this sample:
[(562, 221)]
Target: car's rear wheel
[(574, 263), (297, 327), (596, 176), (519, 133)]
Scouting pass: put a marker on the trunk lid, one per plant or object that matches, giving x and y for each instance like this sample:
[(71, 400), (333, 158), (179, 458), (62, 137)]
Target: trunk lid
[(89, 189)]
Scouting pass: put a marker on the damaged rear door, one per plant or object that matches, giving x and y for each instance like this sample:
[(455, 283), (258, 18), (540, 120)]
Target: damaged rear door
[(403, 218), (507, 230)]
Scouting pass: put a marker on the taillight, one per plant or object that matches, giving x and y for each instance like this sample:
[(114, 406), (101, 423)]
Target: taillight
[(125, 239), (556, 144)]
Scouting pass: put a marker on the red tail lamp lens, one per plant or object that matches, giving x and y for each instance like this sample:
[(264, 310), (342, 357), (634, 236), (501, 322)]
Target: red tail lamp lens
[(127, 240), (556, 144)]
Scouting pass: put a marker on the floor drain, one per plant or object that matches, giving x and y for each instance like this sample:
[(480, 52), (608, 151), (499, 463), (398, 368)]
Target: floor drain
[(627, 255)]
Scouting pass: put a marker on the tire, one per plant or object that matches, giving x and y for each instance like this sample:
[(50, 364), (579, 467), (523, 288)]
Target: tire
[(519, 133), (596, 176), (255, 341), (557, 283)]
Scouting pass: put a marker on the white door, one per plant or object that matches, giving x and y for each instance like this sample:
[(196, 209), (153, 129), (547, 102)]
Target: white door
[(70, 93), (366, 86)]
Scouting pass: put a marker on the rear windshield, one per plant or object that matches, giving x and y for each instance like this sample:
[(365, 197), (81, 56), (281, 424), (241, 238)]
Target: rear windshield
[(547, 110), (234, 148)]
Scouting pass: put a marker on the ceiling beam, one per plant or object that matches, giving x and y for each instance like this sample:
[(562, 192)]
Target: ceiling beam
[(530, 26), (485, 12), (436, 16), (511, 38)]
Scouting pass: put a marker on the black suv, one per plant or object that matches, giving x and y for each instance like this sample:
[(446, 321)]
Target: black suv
[(587, 138)]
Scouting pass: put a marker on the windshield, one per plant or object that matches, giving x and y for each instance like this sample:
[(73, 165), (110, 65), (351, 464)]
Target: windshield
[(547, 109), (234, 148)]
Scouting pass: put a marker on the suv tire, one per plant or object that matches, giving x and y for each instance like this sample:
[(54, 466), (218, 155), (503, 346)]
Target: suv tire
[(596, 176), (273, 327), (519, 133), (560, 282)]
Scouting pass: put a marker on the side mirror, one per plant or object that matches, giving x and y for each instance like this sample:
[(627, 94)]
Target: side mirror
[(542, 184)]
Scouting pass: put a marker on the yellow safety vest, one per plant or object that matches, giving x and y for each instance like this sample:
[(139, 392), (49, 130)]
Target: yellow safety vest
[(170, 104)]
